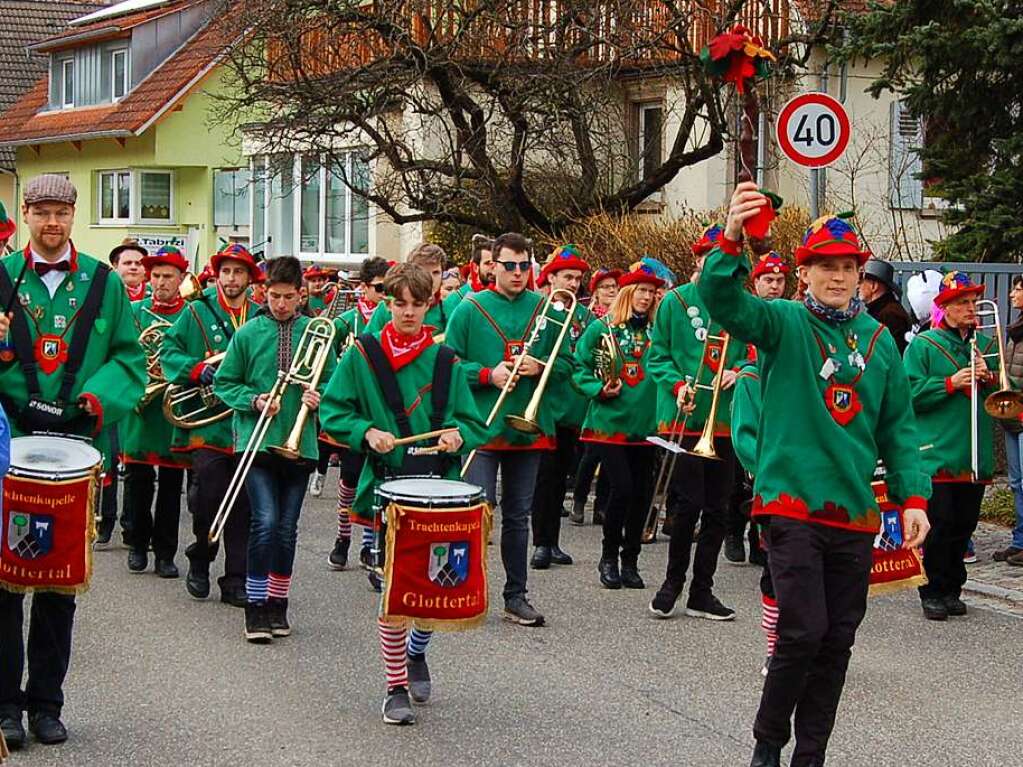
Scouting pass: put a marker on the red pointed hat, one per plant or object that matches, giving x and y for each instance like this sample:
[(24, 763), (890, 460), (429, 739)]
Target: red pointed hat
[(956, 285), (710, 238), (236, 252), (602, 274), (7, 226), (314, 271), (565, 257), (770, 263), (640, 273), (168, 255), (830, 236)]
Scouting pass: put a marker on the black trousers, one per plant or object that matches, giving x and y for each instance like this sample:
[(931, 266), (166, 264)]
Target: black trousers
[(551, 481), (49, 651), (820, 576), (699, 492), (213, 471), (739, 503), (326, 451), (953, 512), (108, 503), (630, 474), (588, 463), (158, 528)]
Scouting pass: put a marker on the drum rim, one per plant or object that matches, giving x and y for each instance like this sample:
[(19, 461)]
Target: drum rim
[(89, 452), (473, 496)]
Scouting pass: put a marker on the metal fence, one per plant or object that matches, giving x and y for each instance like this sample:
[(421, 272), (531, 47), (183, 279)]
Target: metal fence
[(996, 278)]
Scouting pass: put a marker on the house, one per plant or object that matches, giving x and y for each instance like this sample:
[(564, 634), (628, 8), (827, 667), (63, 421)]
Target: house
[(125, 107)]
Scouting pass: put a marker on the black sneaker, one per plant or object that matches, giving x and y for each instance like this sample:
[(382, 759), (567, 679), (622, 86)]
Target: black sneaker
[(366, 558), (519, 611), (104, 531), (578, 516), (257, 623), (338, 558), (955, 606), (663, 603), (419, 684), (277, 614), (138, 561), (735, 549), (375, 581), (610, 578), (708, 607), (13, 730), (397, 708), (934, 609), (631, 578), (47, 728)]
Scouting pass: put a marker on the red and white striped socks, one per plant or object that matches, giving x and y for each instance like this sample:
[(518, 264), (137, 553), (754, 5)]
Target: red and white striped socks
[(769, 621), (345, 500), (280, 585), (393, 643)]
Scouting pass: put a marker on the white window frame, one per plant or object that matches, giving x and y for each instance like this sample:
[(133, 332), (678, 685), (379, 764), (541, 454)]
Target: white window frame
[(65, 66), (136, 210), (114, 174), (642, 108), (126, 81), (134, 199)]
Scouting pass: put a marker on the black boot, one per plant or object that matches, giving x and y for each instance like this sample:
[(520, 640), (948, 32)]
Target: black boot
[(631, 578), (560, 557), (610, 578), (735, 549), (277, 613), (541, 558), (766, 755), (47, 728), (13, 730), (197, 581)]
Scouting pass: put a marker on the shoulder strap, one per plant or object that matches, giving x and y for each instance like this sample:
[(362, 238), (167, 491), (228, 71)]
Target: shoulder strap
[(388, 381), (83, 326), (21, 338), (441, 388), (227, 326)]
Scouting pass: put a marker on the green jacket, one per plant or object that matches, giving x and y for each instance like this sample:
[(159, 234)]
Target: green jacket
[(746, 406), (486, 328), (146, 436), (350, 324), (810, 466), (113, 371), (629, 418), (437, 315), (354, 402), (570, 404), (250, 369), (943, 413), (675, 355), (203, 329)]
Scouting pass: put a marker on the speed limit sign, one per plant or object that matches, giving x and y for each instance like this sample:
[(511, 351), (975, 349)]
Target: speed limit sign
[(813, 130)]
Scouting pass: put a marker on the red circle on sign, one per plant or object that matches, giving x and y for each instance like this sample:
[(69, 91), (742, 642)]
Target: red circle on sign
[(829, 104)]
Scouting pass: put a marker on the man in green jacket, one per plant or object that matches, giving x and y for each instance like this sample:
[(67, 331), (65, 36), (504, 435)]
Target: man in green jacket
[(828, 362), (70, 312)]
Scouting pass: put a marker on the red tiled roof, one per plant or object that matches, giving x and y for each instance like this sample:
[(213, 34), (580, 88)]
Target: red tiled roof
[(26, 122), (112, 27)]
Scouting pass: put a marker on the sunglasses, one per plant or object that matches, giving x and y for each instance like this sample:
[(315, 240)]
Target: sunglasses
[(378, 286), (511, 266)]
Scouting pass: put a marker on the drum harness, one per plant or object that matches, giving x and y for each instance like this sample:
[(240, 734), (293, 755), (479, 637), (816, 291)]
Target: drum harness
[(39, 414)]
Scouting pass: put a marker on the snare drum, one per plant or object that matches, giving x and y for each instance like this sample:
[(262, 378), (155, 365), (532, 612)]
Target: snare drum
[(51, 494)]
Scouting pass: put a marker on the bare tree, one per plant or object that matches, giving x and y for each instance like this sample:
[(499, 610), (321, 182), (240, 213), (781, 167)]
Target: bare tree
[(497, 114)]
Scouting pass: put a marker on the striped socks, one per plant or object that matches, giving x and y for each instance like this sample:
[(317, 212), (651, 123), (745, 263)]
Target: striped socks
[(769, 622), (368, 536), (256, 589), (418, 641), (392, 649), (280, 585), (345, 501)]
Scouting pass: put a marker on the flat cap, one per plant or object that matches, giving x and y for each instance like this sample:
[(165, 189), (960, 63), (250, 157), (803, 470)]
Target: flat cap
[(50, 187)]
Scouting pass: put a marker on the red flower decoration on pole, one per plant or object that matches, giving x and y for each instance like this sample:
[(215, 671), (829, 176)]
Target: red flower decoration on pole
[(736, 57)]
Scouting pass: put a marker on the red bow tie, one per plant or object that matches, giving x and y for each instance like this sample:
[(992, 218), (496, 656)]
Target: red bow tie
[(42, 267)]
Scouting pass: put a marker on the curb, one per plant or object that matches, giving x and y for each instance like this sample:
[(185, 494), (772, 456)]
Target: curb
[(999, 592)]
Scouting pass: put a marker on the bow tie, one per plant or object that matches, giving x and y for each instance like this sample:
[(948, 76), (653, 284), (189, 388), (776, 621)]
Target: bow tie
[(42, 267)]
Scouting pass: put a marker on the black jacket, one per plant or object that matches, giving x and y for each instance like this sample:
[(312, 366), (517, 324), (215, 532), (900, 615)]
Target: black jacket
[(889, 312)]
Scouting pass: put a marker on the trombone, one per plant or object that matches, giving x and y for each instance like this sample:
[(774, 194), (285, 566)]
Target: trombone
[(314, 347), (561, 300), (1004, 404), (704, 447)]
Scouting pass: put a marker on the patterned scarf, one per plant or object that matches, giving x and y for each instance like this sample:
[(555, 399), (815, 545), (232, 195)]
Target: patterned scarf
[(401, 349), (168, 308), (137, 293), (365, 309), (284, 343), (828, 314)]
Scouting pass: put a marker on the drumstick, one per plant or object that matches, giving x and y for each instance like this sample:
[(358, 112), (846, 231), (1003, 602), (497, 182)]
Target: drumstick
[(14, 293), (425, 435)]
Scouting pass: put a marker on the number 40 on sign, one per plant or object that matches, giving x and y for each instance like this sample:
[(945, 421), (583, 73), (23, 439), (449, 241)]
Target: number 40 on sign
[(813, 130)]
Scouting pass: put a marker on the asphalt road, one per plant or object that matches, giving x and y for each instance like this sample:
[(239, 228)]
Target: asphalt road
[(160, 679)]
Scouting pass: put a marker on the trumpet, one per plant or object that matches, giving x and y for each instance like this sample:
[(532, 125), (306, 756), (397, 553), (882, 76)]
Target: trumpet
[(344, 298), (307, 363), (1004, 404), (704, 447), (192, 406)]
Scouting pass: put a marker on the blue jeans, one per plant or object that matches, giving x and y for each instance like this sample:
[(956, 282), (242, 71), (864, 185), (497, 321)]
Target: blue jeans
[(518, 480), (1014, 459), (275, 496)]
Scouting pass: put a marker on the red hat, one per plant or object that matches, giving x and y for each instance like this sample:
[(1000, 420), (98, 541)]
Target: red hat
[(207, 275), (168, 255), (236, 252), (602, 274), (956, 285), (830, 236), (770, 263), (710, 238), (565, 257), (7, 226), (640, 273), (314, 271)]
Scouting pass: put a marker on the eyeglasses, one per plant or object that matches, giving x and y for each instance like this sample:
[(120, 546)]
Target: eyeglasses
[(378, 286), (511, 266)]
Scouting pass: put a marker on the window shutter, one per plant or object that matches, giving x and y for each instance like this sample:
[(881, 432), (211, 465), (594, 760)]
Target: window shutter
[(905, 187)]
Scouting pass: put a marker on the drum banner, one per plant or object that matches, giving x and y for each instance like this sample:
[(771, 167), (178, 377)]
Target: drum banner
[(47, 534), (436, 567), (894, 567)]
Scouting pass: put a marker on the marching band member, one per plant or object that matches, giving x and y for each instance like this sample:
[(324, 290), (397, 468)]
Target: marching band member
[(7, 229), (938, 366), (431, 258), (683, 336), (70, 362), (350, 325), (487, 330), (146, 435), (203, 330), (620, 416), (275, 485), (357, 412), (315, 282), (481, 267), (829, 361), (450, 282), (563, 271), (126, 259), (603, 288)]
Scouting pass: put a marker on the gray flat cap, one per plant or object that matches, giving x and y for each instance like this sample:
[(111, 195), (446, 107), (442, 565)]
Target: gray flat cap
[(50, 187)]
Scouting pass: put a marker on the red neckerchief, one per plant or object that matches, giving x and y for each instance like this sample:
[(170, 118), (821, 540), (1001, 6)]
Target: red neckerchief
[(237, 316), (474, 278), (170, 308), (436, 299), (600, 310), (401, 349), (72, 259), (365, 308), (136, 294)]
